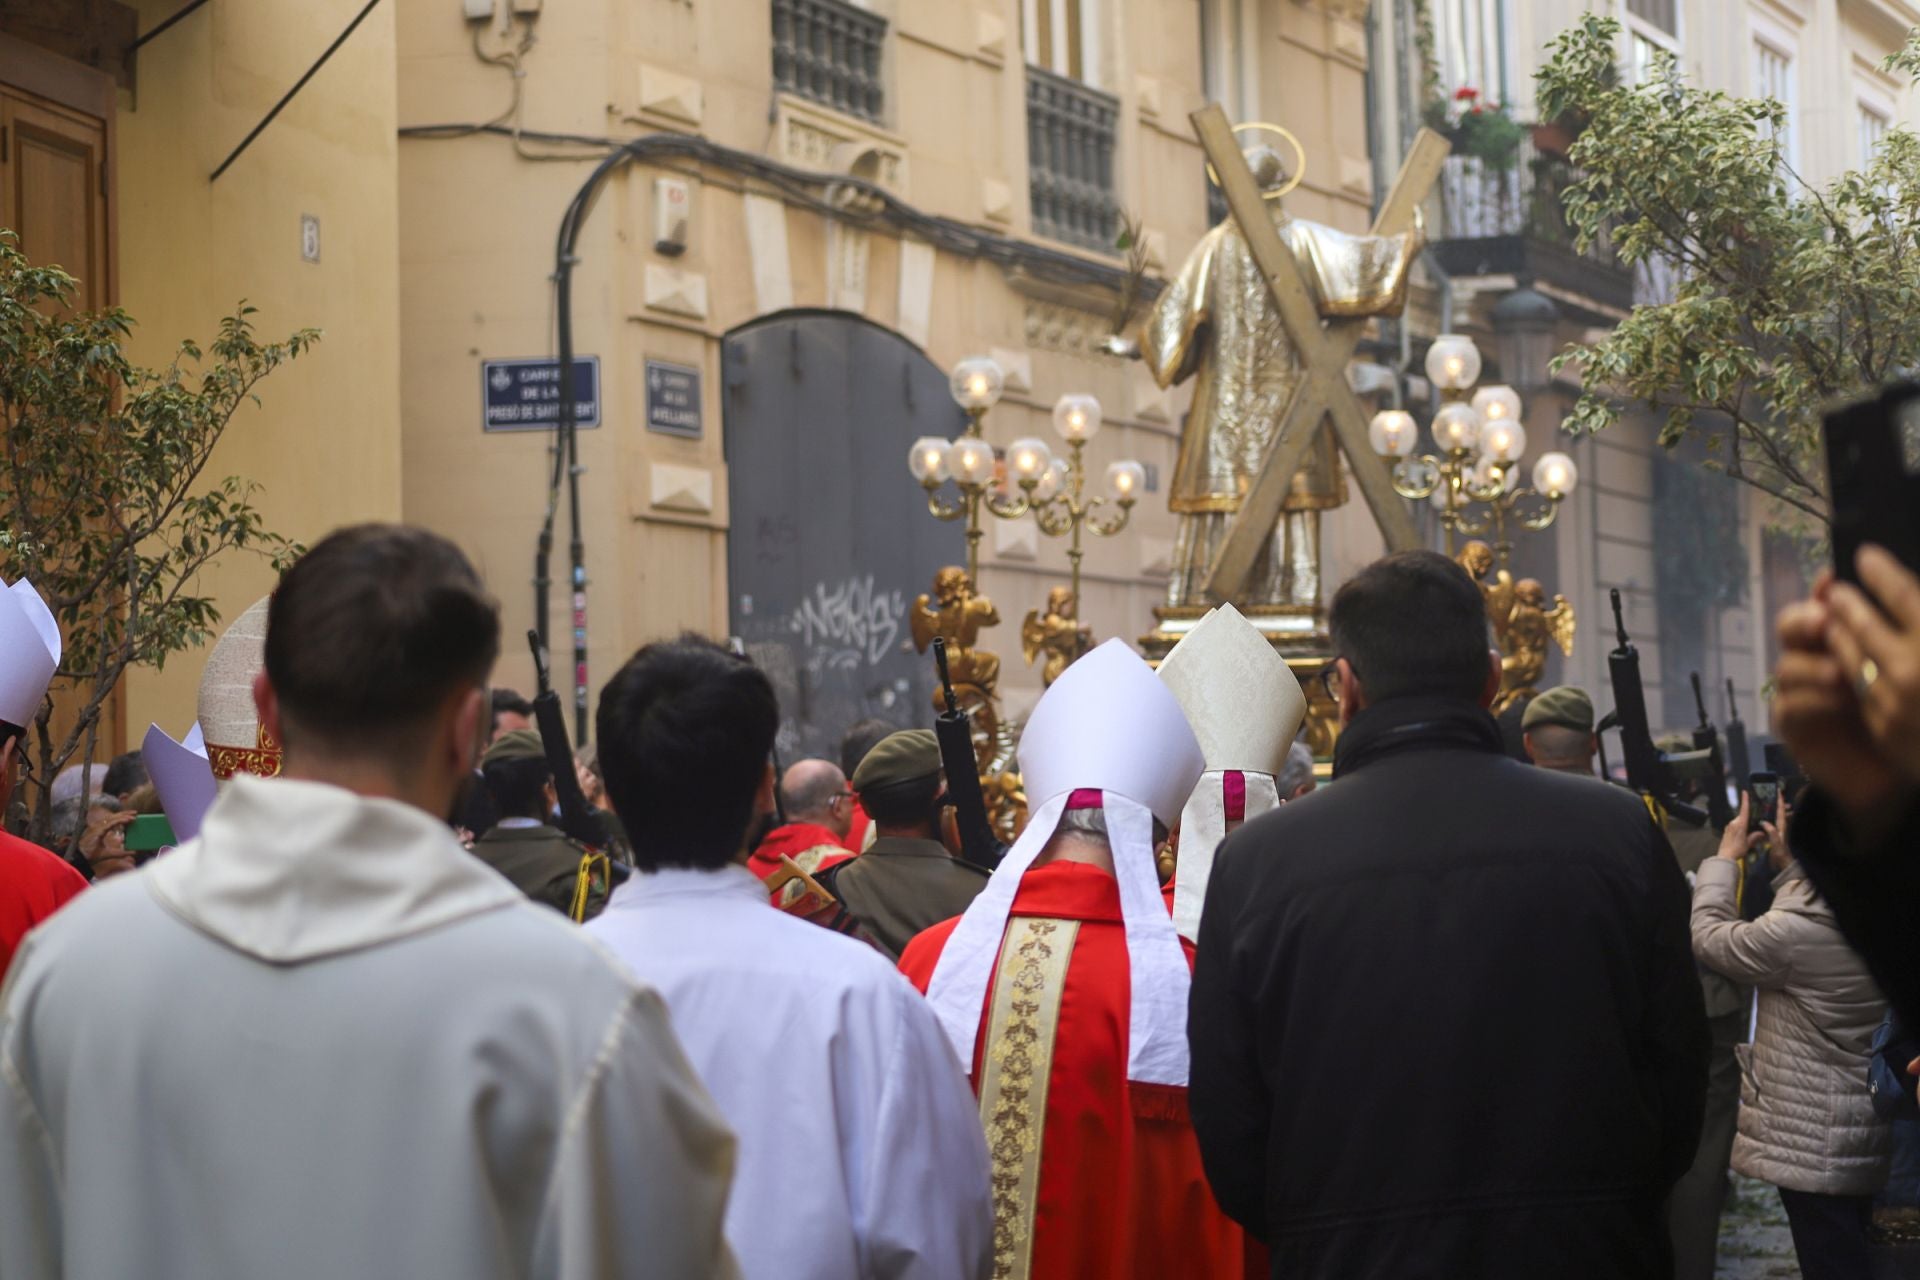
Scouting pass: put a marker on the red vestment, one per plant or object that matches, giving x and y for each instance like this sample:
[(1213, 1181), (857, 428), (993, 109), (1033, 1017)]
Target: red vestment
[(1120, 1192), (33, 885), (813, 849)]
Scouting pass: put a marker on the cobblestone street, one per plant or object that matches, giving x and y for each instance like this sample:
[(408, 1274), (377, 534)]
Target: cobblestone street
[(1754, 1241)]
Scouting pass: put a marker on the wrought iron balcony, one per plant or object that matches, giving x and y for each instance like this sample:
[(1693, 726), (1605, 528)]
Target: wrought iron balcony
[(1510, 221), (829, 52), (1070, 130)]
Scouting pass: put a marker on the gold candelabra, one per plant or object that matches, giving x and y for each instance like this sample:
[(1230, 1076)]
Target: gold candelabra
[(1480, 441), (1053, 489)]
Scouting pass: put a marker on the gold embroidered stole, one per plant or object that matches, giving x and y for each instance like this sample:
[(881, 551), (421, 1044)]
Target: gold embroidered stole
[(1013, 1084)]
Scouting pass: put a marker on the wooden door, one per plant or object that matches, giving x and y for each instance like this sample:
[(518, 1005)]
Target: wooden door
[(56, 183)]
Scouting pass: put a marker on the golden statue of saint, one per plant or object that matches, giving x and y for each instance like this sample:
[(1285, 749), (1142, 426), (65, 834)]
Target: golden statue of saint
[(1217, 323)]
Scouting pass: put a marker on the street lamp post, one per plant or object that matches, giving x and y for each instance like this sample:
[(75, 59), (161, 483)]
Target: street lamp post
[(1052, 488), (1480, 441), (967, 460), (1066, 510)]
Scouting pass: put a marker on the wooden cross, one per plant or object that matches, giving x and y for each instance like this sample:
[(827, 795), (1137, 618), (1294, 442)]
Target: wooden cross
[(1323, 348)]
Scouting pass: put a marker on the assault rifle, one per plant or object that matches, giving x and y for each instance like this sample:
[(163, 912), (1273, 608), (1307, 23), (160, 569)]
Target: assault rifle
[(978, 844), (578, 819), (1648, 772), (1739, 760), (1707, 738)]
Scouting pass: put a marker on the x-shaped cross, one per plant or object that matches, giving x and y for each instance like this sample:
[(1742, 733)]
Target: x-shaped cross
[(1323, 348)]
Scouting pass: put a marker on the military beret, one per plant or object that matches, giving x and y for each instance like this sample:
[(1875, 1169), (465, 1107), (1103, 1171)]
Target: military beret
[(521, 744), (1566, 705), (908, 756)]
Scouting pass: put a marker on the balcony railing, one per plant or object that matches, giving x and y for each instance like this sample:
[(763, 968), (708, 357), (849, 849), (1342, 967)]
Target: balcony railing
[(829, 52), (1070, 160), (1503, 220)]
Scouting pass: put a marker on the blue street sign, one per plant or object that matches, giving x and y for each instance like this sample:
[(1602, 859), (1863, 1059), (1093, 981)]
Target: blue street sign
[(524, 395)]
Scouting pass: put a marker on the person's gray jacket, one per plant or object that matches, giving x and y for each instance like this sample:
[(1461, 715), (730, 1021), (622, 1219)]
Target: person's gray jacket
[(1806, 1118)]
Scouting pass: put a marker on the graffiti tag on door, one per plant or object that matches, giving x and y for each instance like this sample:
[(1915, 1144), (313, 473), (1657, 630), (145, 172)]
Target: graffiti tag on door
[(850, 624)]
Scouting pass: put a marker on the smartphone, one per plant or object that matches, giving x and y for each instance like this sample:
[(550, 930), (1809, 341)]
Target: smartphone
[(1765, 790), (150, 832), (1873, 476)]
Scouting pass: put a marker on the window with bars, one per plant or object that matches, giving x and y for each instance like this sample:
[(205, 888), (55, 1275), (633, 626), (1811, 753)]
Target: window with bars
[(829, 52), (1070, 132)]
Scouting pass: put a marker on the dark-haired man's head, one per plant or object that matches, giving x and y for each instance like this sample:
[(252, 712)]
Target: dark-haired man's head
[(511, 713), (1411, 624), (685, 731), (126, 774), (861, 737), (379, 643)]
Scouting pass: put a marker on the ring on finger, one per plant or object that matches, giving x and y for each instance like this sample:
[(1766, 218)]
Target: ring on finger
[(1869, 672)]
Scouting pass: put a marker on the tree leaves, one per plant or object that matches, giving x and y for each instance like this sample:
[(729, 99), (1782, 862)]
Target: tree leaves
[(104, 504), (1790, 297)]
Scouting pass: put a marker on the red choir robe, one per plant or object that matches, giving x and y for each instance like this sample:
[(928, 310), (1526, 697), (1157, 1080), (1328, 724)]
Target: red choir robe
[(33, 885), (1120, 1191), (811, 846)]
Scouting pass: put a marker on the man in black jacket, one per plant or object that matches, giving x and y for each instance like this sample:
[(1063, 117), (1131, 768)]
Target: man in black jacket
[(1444, 1017)]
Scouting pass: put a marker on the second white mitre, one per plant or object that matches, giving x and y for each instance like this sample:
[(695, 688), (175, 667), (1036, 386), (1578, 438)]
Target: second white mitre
[(1105, 725), (1245, 707)]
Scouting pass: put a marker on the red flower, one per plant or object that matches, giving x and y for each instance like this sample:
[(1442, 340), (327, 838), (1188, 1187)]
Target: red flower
[(1465, 93)]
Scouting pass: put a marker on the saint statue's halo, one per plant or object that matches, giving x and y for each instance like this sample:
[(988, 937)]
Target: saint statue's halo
[(1257, 127)]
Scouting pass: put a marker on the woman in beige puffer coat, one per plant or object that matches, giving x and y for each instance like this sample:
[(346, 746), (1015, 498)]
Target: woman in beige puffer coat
[(1807, 1122)]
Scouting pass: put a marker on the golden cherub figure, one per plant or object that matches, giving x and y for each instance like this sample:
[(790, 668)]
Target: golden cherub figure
[(1523, 625), (1530, 625), (957, 613), (1058, 633)]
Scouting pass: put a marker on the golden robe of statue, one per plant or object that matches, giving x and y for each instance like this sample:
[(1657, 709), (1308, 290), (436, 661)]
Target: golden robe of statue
[(1217, 323)]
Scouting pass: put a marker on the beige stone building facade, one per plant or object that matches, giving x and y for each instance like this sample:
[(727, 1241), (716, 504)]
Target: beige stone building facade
[(113, 123), (999, 146)]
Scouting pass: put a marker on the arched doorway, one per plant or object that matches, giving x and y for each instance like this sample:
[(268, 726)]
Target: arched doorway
[(831, 539)]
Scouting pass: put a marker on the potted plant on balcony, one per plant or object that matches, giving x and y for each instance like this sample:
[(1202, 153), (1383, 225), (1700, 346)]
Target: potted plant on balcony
[(1477, 127)]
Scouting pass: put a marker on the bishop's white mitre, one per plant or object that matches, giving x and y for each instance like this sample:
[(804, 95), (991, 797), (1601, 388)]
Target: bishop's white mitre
[(1107, 725), (182, 775), (235, 740), (1245, 707), (29, 652)]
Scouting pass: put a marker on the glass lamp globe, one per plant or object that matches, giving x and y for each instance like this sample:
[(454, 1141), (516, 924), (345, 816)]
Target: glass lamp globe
[(1126, 480), (1453, 362), (1027, 458), (1555, 475), (1456, 428), (1393, 433), (1076, 416), (1497, 403), (976, 382), (1487, 470), (1053, 481), (928, 459), (971, 460), (1502, 439)]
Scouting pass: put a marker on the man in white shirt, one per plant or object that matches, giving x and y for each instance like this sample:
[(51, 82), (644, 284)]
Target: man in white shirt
[(322, 1040), (861, 1148)]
